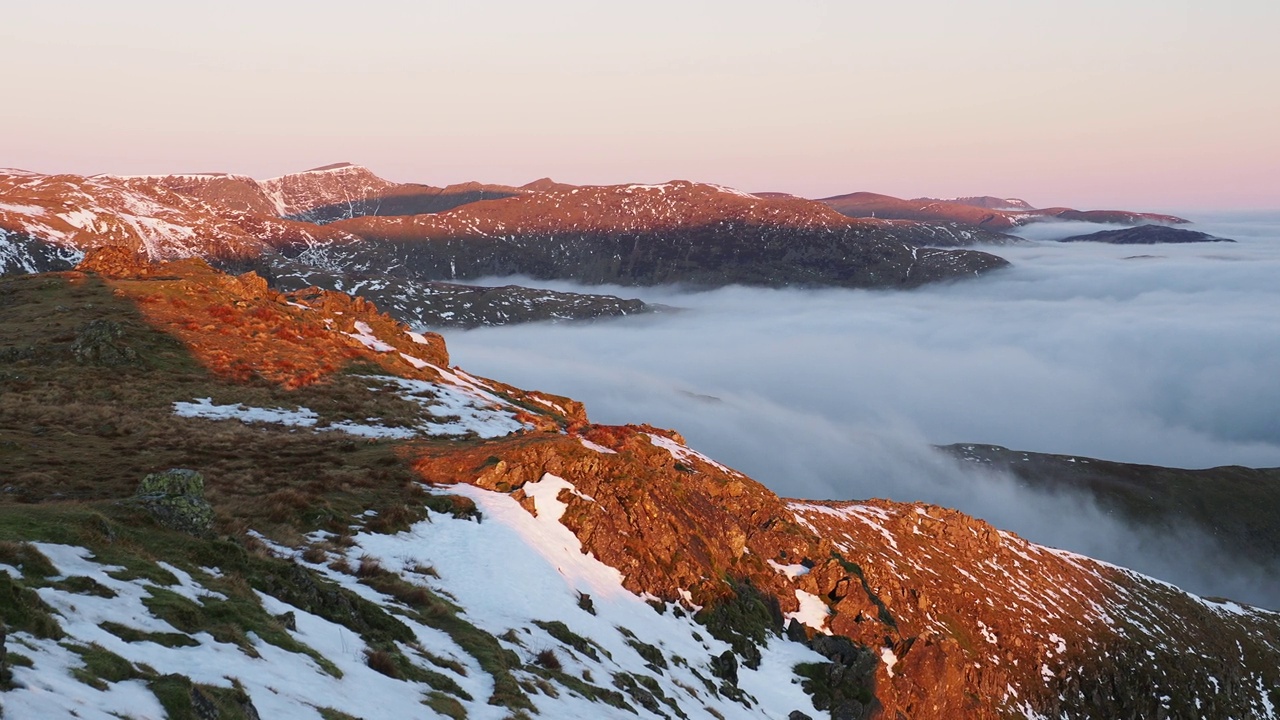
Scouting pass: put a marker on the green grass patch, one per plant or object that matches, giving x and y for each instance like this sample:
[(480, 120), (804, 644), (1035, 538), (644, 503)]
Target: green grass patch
[(652, 655), (745, 619), (445, 705), (561, 632), (22, 609), (831, 685), (230, 621), (83, 585), (185, 700), (330, 714), (166, 639), (101, 666), (27, 558)]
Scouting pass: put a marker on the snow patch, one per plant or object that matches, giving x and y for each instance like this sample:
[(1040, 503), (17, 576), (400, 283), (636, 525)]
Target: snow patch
[(204, 408), (889, 659), (813, 612), (365, 335), (680, 452), (598, 448), (791, 571)]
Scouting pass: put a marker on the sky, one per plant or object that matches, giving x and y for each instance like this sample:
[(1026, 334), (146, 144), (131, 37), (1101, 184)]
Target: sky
[(1161, 355), (1141, 104)]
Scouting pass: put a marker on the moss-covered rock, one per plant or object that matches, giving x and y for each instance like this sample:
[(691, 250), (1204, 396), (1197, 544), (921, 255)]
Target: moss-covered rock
[(101, 342), (176, 499)]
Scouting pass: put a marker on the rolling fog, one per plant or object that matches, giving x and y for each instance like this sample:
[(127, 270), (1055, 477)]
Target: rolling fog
[(1164, 355)]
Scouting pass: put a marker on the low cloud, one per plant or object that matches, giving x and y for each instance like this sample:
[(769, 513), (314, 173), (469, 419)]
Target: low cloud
[(1154, 354)]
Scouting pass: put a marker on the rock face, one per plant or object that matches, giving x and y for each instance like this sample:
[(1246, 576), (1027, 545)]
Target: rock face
[(176, 499), (240, 328), (1146, 235), (100, 343)]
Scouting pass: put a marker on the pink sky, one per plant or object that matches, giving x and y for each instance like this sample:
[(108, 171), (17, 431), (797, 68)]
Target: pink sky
[(1137, 104)]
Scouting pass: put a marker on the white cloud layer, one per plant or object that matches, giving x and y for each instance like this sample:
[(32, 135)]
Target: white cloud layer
[(1155, 354)]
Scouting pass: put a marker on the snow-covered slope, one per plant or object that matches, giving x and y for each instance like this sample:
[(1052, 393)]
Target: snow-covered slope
[(648, 664)]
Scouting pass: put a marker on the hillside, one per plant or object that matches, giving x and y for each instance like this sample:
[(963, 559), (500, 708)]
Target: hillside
[(387, 536)]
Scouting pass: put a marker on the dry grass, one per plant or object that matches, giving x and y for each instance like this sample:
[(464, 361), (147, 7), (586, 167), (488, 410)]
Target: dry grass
[(370, 567), (383, 662), (77, 432), (547, 659)]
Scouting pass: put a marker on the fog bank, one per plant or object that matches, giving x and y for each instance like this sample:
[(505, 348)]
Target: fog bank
[(1155, 354)]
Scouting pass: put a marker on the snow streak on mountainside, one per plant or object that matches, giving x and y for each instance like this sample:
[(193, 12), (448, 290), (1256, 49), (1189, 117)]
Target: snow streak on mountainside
[(75, 213)]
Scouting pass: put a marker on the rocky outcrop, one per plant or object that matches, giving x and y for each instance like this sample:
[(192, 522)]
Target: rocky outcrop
[(965, 620), (101, 342), (240, 328)]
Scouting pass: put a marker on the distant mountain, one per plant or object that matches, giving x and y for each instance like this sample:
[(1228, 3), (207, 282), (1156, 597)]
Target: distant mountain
[(676, 232), (75, 213), (49, 222), (979, 212), (1146, 235), (223, 501), (323, 194), (886, 207), (983, 201)]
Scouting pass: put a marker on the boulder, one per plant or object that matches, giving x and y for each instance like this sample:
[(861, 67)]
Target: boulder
[(175, 498), (100, 342)]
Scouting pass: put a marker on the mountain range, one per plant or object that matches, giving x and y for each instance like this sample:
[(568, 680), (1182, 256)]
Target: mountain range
[(407, 246), (221, 500)]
